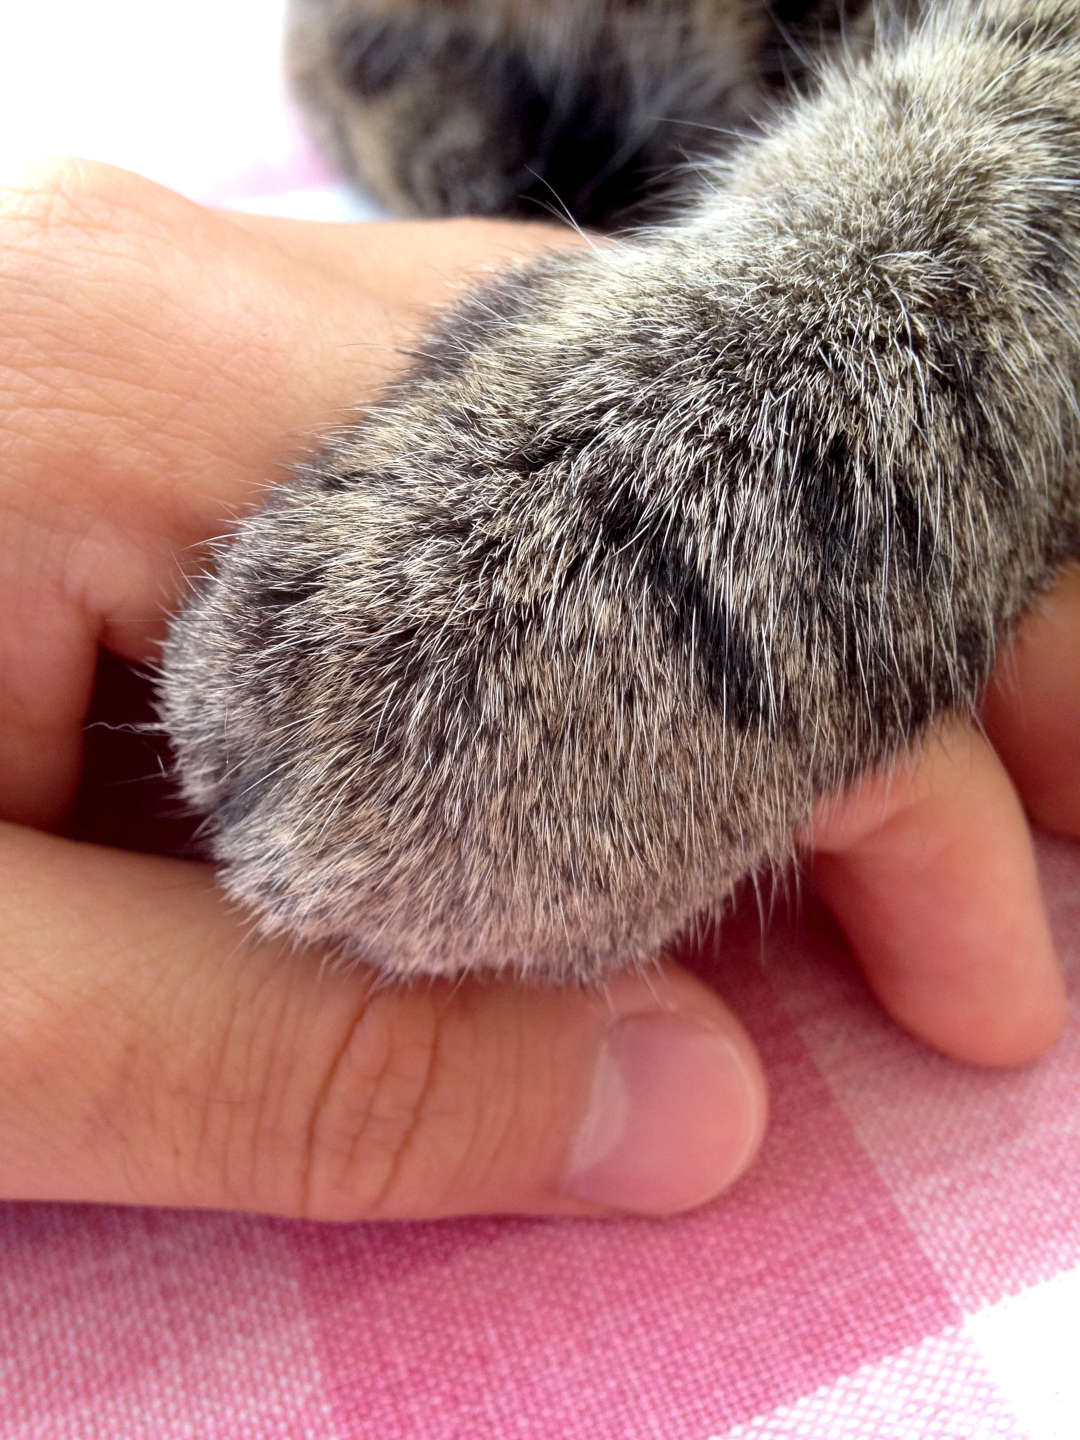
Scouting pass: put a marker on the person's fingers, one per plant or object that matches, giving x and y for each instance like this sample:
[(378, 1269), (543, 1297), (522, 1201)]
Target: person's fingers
[(1032, 708), (160, 364), (412, 265), (151, 1052), (931, 874), (164, 361)]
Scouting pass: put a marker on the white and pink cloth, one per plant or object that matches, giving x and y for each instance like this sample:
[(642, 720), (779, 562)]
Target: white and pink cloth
[(902, 1264)]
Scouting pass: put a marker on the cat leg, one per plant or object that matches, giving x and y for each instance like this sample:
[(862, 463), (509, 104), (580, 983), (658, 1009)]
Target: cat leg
[(591, 108), (661, 541)]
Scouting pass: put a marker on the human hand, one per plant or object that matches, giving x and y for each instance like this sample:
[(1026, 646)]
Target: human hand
[(159, 361)]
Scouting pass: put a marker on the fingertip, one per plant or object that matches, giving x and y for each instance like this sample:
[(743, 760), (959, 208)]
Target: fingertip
[(1032, 708), (676, 1113), (933, 879), (999, 1012)]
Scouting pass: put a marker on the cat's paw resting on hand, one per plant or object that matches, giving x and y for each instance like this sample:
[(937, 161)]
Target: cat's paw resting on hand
[(658, 543)]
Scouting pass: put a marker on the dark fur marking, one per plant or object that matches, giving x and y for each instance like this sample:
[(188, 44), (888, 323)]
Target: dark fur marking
[(855, 544), (1052, 264), (578, 169), (550, 450), (795, 24), (277, 595), (269, 599), (1050, 125), (445, 353), (481, 317), (335, 480), (823, 486), (242, 792), (649, 545), (653, 550), (373, 55), (411, 650), (1030, 35), (486, 176), (584, 155)]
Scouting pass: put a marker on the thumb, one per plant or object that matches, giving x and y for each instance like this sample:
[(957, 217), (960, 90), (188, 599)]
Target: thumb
[(151, 1053)]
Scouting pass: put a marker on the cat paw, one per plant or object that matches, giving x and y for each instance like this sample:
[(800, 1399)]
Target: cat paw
[(652, 547)]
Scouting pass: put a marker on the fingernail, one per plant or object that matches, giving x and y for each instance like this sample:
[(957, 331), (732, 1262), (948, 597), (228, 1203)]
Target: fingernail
[(674, 1116)]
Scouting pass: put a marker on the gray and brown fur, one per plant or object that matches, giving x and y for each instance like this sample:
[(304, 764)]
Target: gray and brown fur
[(658, 542), (448, 107)]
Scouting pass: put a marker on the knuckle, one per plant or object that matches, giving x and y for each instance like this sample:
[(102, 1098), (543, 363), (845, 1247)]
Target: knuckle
[(81, 248), (65, 231), (66, 200), (396, 1115)]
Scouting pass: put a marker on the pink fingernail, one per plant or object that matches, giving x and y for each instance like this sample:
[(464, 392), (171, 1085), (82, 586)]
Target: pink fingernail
[(674, 1117)]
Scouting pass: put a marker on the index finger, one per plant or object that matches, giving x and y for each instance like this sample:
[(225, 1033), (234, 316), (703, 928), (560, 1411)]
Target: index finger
[(161, 363), (930, 871)]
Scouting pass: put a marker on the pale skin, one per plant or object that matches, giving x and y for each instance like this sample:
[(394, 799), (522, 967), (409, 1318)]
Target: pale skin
[(159, 364)]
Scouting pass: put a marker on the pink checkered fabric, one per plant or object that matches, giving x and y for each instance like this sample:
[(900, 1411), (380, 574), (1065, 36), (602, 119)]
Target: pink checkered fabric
[(902, 1264)]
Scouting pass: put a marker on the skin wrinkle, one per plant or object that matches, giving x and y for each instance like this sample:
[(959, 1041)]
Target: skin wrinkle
[(353, 1156), (488, 1139), (272, 1083), (317, 1148), (145, 306), (37, 1043), (397, 1110)]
